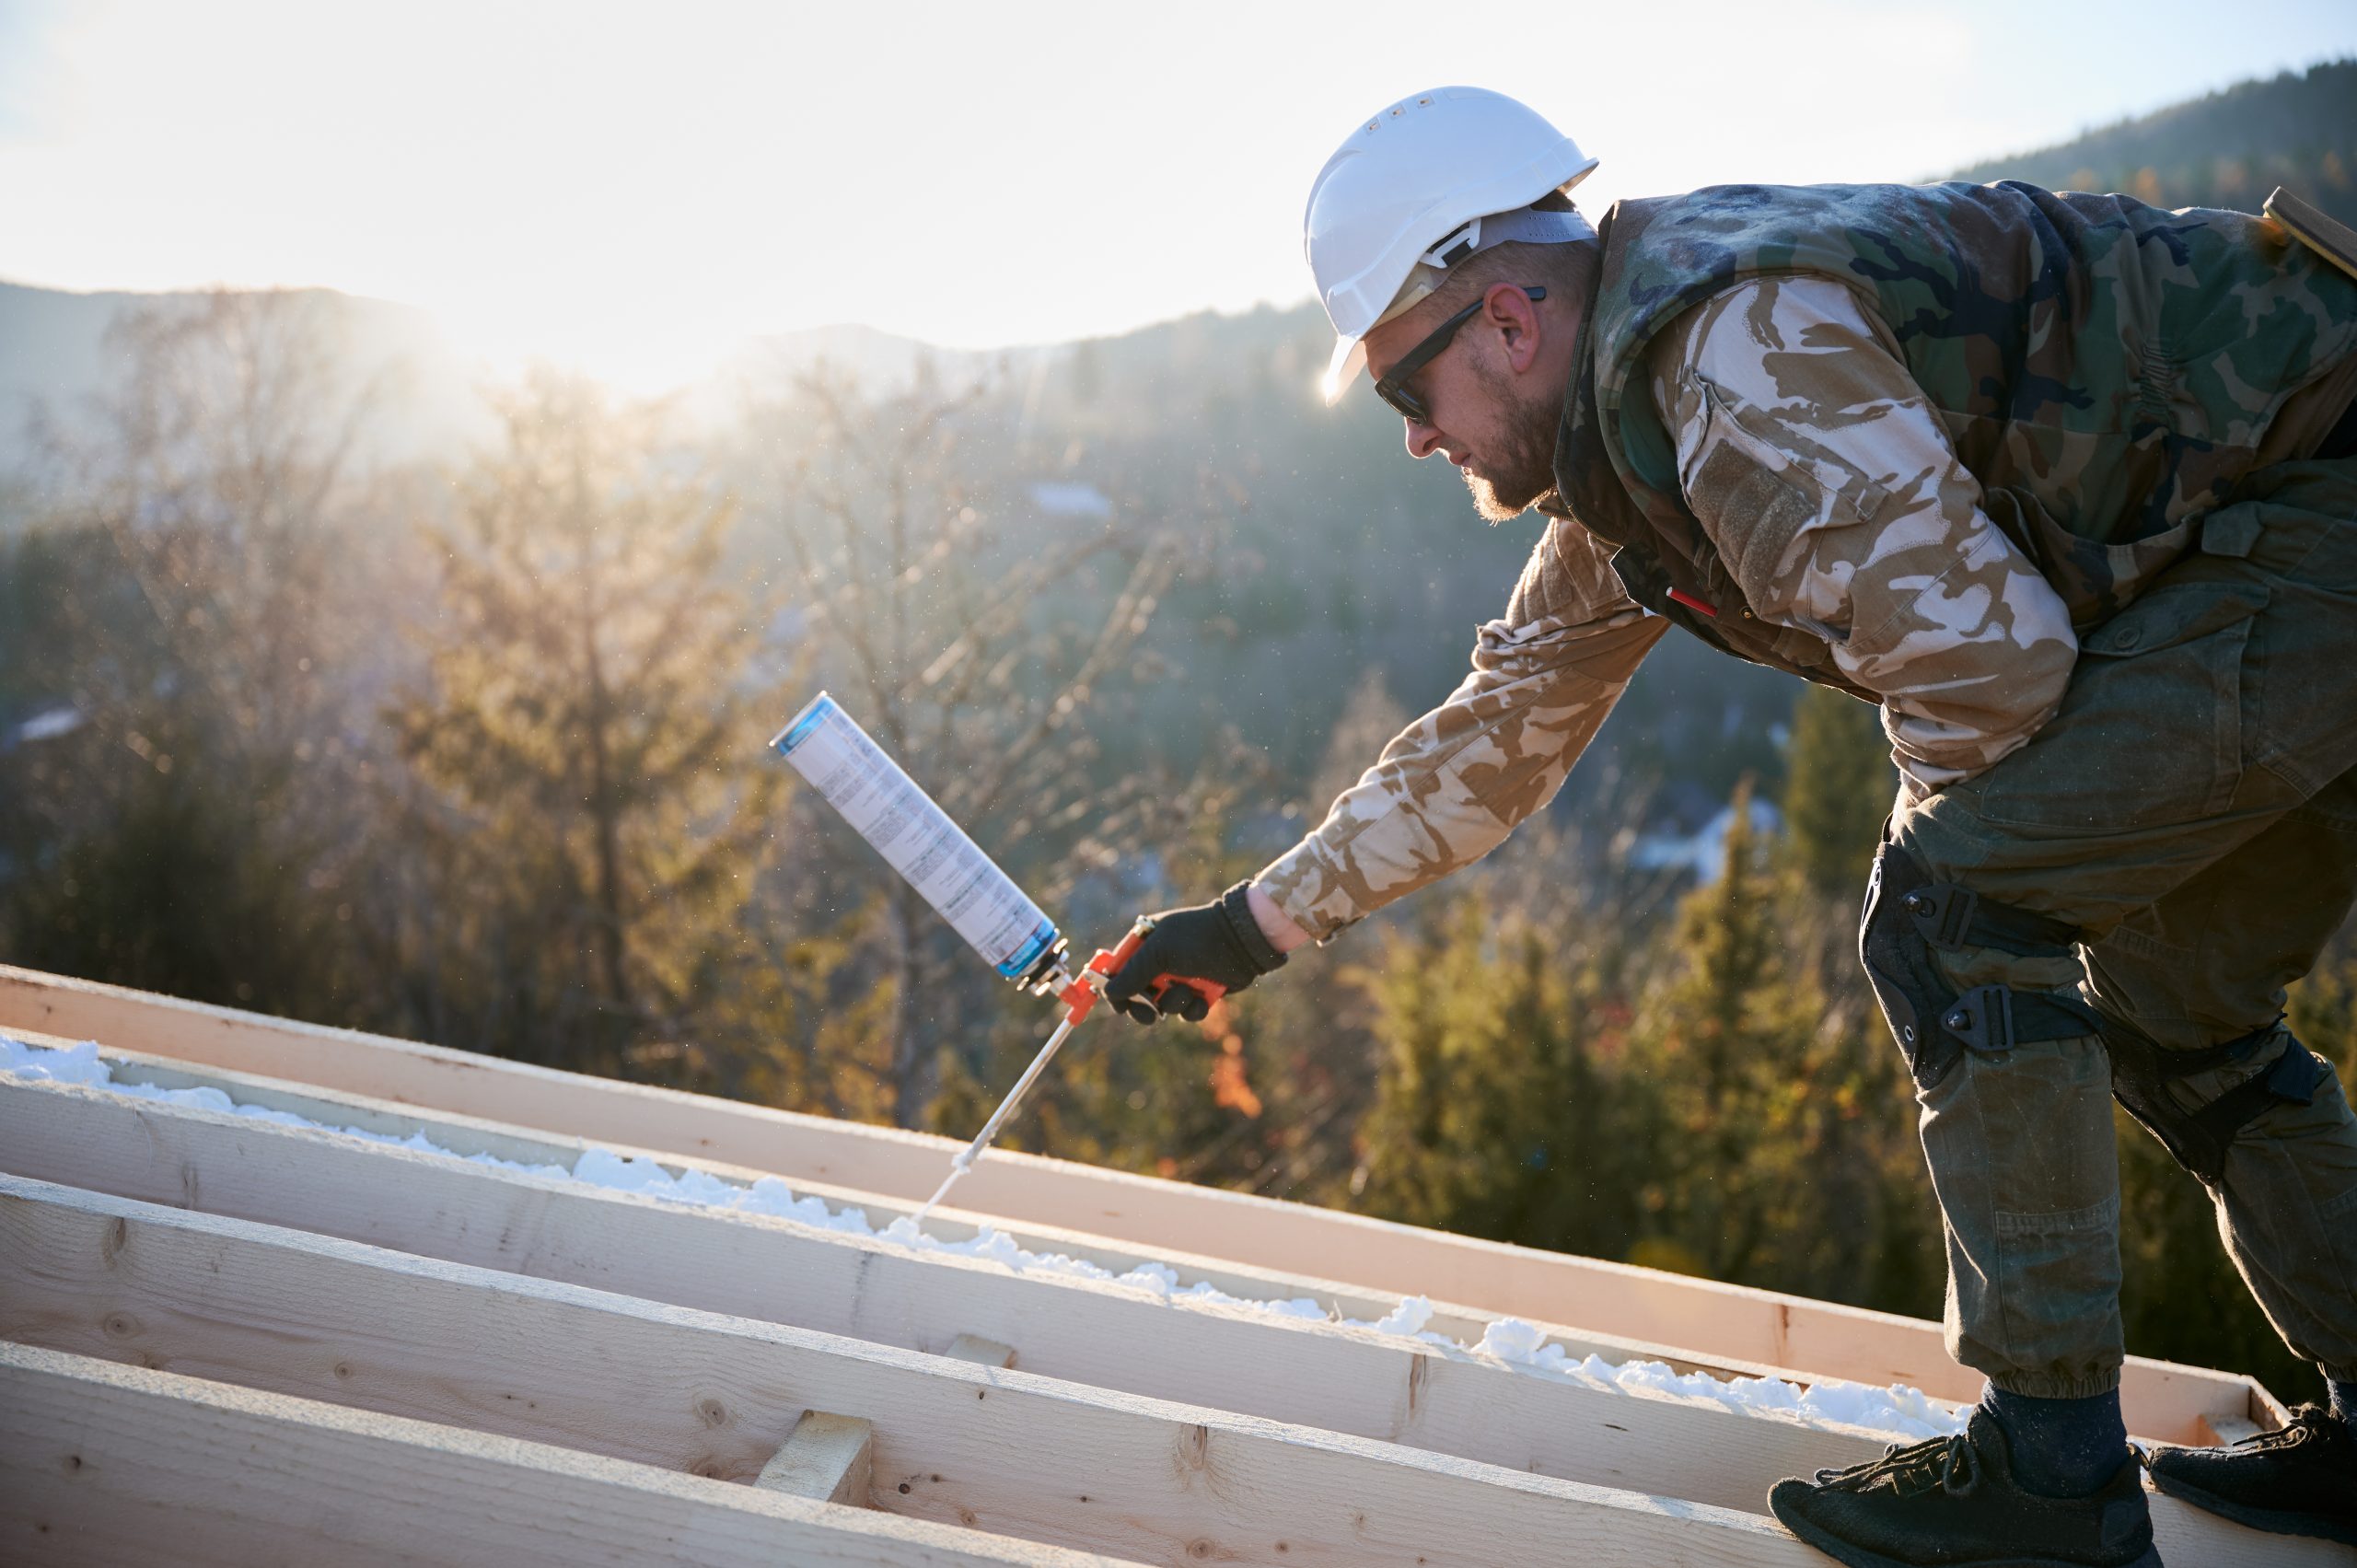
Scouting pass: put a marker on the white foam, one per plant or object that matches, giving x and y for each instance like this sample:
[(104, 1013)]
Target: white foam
[(1896, 1410)]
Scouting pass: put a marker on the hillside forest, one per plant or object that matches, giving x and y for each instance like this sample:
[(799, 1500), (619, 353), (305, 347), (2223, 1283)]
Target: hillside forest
[(471, 749)]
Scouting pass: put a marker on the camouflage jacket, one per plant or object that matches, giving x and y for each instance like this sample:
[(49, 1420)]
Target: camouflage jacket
[(2107, 371), (1798, 477)]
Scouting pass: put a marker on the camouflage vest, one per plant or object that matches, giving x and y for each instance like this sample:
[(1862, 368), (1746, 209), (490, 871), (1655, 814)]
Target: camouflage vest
[(2106, 369)]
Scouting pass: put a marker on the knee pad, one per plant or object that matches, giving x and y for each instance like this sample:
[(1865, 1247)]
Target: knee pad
[(1908, 915), (2198, 1139)]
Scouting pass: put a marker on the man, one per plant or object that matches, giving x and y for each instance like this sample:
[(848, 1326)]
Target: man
[(2067, 485)]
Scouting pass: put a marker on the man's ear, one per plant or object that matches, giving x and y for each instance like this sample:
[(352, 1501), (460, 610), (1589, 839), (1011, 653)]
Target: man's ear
[(1515, 315)]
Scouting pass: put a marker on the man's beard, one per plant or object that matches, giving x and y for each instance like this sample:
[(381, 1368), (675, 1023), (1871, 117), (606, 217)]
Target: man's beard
[(1525, 467)]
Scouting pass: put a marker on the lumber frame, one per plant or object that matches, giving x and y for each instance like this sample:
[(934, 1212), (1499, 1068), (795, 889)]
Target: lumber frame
[(1310, 1374), (112, 1466), (294, 1312), (1003, 1451), (470, 1135), (467, 1134), (1618, 1300), (1108, 1336)]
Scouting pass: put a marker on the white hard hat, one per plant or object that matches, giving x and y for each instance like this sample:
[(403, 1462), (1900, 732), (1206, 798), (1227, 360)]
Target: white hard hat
[(1409, 178)]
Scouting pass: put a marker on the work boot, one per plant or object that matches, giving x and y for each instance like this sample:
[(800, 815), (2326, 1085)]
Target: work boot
[(1953, 1502), (2300, 1480)]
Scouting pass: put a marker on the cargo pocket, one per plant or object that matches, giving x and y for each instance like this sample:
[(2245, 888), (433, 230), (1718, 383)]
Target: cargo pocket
[(2057, 1273), (2150, 733)]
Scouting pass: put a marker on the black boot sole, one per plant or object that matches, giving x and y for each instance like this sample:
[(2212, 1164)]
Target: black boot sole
[(2274, 1521), (1856, 1556)]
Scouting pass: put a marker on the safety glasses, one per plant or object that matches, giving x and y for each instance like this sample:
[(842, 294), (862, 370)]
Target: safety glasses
[(1393, 388)]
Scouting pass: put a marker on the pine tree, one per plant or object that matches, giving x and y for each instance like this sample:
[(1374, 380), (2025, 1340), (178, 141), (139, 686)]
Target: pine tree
[(1785, 1159), (597, 796), (1838, 787), (1491, 1117)]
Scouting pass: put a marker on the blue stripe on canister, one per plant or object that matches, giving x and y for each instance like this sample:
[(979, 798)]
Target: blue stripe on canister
[(1020, 965), (820, 709)]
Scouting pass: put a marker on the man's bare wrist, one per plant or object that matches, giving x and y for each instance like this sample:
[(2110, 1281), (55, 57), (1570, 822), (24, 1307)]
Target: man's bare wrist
[(1284, 932)]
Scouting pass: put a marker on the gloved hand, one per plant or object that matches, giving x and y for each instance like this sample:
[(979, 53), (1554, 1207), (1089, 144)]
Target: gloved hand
[(1219, 943)]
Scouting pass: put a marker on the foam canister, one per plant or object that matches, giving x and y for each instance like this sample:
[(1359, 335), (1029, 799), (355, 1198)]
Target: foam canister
[(862, 782)]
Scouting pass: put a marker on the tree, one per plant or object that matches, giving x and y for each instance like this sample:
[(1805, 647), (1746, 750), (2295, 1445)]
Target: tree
[(977, 662), (594, 804), (1785, 1158), (179, 827), (1839, 784), (1493, 1115)]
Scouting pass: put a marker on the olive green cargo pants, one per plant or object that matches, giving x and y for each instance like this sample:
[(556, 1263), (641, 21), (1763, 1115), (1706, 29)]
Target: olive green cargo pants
[(2193, 812)]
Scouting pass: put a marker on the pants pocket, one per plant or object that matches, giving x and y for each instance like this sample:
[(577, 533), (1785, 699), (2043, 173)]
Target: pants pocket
[(2055, 1273), (2021, 1160), (2150, 732)]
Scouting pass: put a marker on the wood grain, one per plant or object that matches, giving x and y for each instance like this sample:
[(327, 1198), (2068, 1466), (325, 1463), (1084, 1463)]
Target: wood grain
[(1005, 1452), (828, 1459), (1308, 1375), (1713, 1321), (121, 1467)]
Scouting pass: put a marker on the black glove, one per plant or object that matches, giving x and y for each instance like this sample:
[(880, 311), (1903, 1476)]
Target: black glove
[(1218, 944)]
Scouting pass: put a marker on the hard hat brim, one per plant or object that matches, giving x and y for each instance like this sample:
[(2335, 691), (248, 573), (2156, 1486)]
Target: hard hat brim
[(1350, 358)]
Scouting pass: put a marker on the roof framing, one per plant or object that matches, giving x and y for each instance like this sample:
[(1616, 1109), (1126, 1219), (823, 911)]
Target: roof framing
[(260, 1304), (1103, 1335), (617, 1377), (1712, 1321), (1004, 1451)]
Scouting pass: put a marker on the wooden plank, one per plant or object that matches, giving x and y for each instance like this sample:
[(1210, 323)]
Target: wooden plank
[(828, 1459), (1616, 1300), (472, 1136), (1287, 1370), (116, 1466), (981, 1352), (1294, 1370), (2220, 1432), (1003, 1451)]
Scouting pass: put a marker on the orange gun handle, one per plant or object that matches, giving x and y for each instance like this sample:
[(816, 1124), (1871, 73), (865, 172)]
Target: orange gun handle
[(1082, 994), (1209, 990), (1106, 963)]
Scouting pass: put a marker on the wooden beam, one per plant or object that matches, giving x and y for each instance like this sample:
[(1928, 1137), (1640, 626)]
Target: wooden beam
[(981, 1351), (1003, 1451), (828, 1459), (121, 1466), (1287, 1370), (1311, 1374), (2175, 1409), (1615, 1300), (472, 1135)]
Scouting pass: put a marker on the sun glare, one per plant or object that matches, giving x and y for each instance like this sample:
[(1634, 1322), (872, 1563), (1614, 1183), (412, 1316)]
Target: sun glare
[(639, 192)]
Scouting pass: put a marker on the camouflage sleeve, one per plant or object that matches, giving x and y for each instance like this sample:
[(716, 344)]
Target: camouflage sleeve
[(1452, 784), (1831, 490)]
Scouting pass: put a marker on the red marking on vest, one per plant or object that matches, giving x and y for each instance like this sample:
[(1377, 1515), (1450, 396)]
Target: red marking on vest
[(1690, 602)]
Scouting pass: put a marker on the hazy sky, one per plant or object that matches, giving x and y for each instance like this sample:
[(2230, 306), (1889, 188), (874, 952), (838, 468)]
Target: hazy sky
[(638, 187)]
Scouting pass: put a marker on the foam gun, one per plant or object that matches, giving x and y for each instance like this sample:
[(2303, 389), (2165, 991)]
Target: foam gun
[(981, 903)]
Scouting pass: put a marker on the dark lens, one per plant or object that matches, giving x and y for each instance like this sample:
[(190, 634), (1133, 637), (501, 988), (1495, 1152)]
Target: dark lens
[(1405, 403)]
